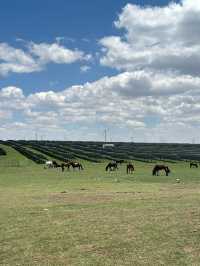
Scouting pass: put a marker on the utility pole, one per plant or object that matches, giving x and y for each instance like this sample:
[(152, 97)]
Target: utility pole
[(105, 135), (36, 136)]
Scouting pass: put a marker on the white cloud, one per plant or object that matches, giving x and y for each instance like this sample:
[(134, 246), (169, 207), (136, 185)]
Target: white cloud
[(85, 68), (55, 53), (155, 98), (11, 92), (16, 60), (158, 38), (140, 101), (12, 98), (37, 57)]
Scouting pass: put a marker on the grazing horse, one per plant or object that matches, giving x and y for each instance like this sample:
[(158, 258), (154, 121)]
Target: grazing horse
[(48, 164), (62, 167), (130, 168), (55, 164), (193, 165), (76, 165), (67, 165), (111, 166), (157, 168)]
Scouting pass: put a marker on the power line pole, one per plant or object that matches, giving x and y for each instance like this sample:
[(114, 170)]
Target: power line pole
[(36, 136), (105, 135)]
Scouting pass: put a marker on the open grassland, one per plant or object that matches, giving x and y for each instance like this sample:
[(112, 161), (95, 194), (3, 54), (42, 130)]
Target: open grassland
[(101, 218)]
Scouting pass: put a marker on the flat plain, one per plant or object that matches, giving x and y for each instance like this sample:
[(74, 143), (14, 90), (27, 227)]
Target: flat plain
[(93, 217)]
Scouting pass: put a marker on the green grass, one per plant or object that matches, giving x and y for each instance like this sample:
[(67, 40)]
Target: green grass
[(101, 219)]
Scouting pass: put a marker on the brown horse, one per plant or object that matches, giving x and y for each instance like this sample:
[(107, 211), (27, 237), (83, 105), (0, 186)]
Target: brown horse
[(130, 168), (158, 168), (67, 165), (75, 165)]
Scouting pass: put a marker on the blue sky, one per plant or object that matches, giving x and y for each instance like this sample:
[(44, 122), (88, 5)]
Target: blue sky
[(70, 69), (82, 23)]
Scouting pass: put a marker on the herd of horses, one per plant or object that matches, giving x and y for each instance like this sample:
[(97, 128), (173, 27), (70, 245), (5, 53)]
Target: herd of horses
[(111, 166), (67, 164)]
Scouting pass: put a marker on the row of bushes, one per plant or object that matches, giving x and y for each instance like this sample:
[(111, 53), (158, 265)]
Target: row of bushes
[(2, 152), (35, 157), (59, 151), (62, 153), (49, 152), (93, 151), (139, 150), (99, 152)]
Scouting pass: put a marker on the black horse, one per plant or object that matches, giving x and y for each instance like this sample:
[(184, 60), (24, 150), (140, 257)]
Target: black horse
[(111, 166), (55, 164), (158, 168), (130, 168), (193, 165), (62, 167)]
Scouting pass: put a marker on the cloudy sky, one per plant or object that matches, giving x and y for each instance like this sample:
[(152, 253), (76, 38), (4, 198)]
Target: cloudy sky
[(70, 69)]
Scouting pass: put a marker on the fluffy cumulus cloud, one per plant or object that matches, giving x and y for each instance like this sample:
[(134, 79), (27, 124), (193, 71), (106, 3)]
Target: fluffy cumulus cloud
[(36, 57), (16, 60), (159, 38), (154, 97), (56, 53), (139, 102)]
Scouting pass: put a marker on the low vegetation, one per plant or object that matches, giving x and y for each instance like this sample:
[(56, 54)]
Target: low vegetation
[(93, 217), (94, 151), (2, 152)]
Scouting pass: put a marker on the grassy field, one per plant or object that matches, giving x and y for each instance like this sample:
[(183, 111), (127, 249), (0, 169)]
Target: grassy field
[(96, 218)]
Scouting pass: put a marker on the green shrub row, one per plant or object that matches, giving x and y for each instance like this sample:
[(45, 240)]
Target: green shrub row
[(35, 157)]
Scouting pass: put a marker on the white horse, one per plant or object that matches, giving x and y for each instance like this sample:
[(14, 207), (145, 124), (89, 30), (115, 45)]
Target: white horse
[(48, 164)]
